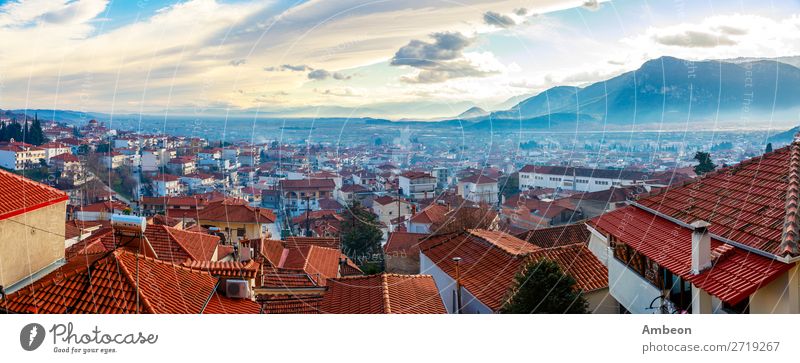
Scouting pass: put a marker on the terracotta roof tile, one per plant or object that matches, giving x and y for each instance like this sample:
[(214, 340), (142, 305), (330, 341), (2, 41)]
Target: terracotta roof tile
[(579, 262), (20, 195), (383, 294), (121, 282), (557, 236), (751, 203), (731, 279)]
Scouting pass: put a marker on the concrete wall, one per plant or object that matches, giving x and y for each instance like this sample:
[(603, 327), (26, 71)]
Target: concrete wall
[(632, 291), (781, 296), (402, 263), (601, 302), (30, 242)]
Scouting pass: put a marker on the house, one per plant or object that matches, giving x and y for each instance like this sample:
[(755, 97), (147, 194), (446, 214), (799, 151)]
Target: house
[(301, 194), (52, 149), (485, 264), (174, 207), (479, 189), (422, 222), (16, 155), (198, 181), (580, 179), (112, 160), (158, 241), (388, 208), (237, 220), (352, 192), (295, 275), (101, 211), (401, 252), (166, 185), (384, 293), (124, 282), (32, 217), (535, 213), (183, 165), (726, 242), (417, 185)]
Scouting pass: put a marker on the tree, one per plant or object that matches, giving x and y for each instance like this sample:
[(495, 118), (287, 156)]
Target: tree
[(705, 164), (464, 218), (509, 184), (35, 134), (361, 237), (543, 288), (769, 148)]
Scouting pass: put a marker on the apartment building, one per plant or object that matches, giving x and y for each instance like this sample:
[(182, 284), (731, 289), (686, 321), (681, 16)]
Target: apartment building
[(578, 179)]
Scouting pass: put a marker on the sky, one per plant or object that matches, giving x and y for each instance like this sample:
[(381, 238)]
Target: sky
[(381, 58)]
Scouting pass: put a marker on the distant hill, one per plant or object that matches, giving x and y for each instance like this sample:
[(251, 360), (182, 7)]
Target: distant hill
[(473, 112), (784, 137), (671, 90)]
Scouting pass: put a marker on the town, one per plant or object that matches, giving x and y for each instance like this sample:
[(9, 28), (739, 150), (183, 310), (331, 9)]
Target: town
[(96, 219)]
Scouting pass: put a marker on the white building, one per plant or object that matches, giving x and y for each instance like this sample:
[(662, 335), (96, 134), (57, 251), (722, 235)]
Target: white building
[(578, 179), (479, 189), (417, 185), (19, 155), (166, 185)]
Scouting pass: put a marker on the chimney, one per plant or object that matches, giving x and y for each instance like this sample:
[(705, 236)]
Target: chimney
[(342, 264), (701, 247), (457, 304)]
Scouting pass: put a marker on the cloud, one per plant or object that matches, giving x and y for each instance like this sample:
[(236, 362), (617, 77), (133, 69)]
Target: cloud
[(498, 20), (443, 59), (694, 39), (591, 5), (289, 67), (321, 75), (237, 62), (521, 11), (75, 12), (339, 92), (446, 46)]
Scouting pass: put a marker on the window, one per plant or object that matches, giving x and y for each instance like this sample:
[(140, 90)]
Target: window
[(601, 182), (641, 264)]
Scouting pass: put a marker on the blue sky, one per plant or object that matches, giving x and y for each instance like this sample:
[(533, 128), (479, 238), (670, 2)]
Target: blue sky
[(415, 58)]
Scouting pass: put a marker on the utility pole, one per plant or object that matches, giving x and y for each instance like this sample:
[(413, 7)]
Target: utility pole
[(308, 208), (457, 260)]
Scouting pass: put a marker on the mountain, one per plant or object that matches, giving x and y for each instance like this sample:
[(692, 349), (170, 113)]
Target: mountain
[(792, 61), (511, 102), (473, 112), (674, 90)]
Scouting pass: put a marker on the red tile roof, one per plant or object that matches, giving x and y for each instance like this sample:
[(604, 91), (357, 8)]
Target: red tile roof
[(731, 279), (228, 269), (298, 242), (304, 184), (20, 195), (748, 203), (404, 242), (416, 175), (122, 283), (579, 262), (433, 214), (291, 304), (236, 213), (383, 294), (168, 244), (487, 271), (478, 179), (318, 262), (557, 236)]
